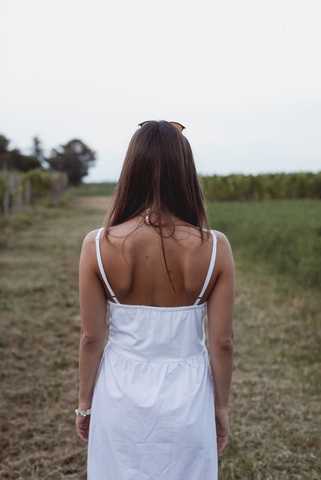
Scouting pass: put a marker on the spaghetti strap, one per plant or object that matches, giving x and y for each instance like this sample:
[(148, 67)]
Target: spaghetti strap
[(100, 264), (210, 268)]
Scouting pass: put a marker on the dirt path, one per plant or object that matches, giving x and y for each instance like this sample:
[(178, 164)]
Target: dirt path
[(275, 401), (94, 204)]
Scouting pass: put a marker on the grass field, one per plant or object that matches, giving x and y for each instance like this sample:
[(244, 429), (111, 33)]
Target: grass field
[(276, 394), (283, 234), (93, 189)]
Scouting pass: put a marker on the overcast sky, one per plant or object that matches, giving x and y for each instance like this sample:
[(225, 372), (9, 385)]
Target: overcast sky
[(244, 77)]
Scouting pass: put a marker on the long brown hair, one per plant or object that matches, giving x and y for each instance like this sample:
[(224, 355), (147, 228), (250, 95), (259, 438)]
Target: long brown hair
[(159, 173)]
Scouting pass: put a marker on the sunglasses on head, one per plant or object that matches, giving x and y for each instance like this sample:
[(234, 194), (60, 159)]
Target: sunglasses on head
[(179, 126)]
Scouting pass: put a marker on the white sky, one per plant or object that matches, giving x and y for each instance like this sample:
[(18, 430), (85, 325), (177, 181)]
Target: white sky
[(244, 77)]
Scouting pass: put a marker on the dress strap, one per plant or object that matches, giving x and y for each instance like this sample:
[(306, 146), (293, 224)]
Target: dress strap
[(210, 268), (100, 264)]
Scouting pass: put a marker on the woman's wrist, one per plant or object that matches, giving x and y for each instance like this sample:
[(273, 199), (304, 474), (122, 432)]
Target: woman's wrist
[(83, 406), (222, 409)]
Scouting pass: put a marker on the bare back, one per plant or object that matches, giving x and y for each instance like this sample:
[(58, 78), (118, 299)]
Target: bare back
[(134, 264)]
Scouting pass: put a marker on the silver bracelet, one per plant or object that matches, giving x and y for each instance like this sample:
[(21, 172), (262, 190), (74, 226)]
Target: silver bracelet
[(83, 413)]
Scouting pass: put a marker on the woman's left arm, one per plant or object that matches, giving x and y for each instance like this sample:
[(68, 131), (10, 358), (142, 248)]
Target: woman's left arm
[(93, 308)]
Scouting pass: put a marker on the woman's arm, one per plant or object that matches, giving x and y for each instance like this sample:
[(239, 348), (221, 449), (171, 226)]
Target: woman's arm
[(93, 307), (220, 309)]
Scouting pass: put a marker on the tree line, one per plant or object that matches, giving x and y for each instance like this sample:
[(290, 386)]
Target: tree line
[(74, 158), (261, 187)]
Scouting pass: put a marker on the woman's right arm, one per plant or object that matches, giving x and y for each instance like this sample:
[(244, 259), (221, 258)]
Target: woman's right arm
[(220, 308), (93, 306)]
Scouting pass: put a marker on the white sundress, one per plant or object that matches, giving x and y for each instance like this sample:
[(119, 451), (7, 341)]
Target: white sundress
[(153, 408)]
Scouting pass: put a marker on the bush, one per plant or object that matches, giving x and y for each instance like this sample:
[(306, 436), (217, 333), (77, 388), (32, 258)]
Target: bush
[(271, 186), (40, 181)]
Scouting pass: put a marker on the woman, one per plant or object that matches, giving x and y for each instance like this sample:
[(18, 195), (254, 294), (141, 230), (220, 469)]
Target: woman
[(152, 414)]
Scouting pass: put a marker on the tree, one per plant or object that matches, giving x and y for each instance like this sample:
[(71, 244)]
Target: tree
[(21, 162), (14, 159), (74, 158), (37, 150), (4, 152), (4, 143)]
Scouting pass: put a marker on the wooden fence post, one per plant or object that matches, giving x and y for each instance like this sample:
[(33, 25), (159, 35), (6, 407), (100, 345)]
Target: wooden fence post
[(18, 191), (27, 192), (11, 188), (5, 201), (58, 187)]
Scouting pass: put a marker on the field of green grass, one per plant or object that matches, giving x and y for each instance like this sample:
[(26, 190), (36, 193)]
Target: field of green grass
[(283, 234), (276, 394), (93, 189)]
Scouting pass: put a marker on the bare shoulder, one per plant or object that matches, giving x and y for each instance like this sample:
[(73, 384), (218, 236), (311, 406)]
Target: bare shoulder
[(91, 236), (89, 243), (224, 252), (222, 239)]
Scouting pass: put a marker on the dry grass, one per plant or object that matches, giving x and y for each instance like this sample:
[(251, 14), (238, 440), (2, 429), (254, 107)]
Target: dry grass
[(275, 402), (94, 204)]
